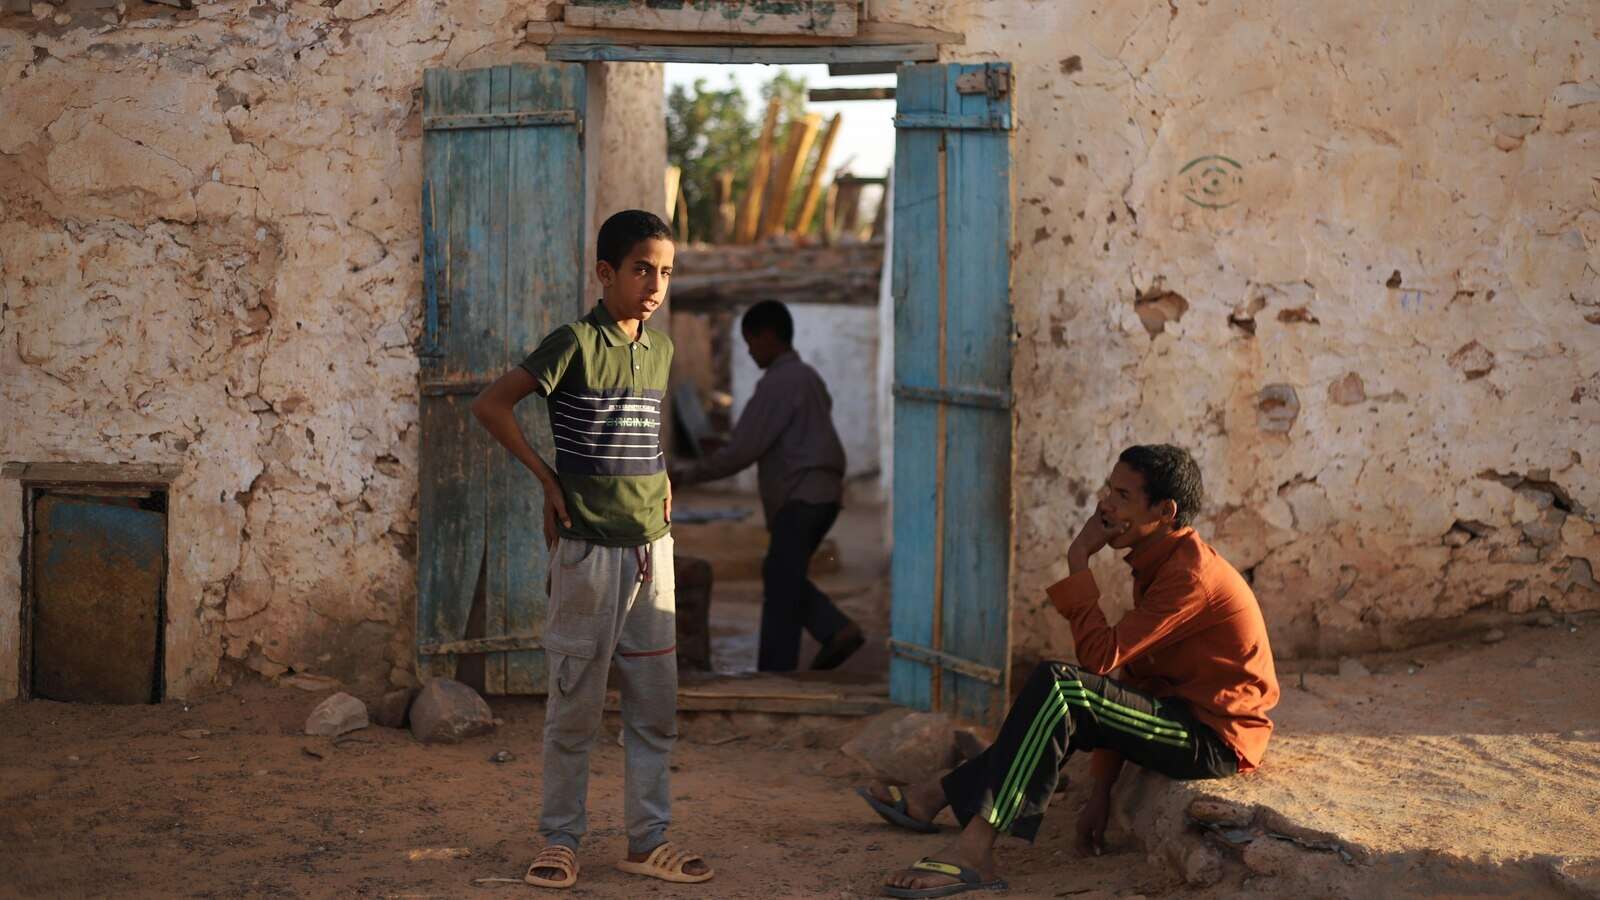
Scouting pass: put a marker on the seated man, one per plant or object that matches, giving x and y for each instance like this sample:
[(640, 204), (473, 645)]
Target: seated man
[(787, 431), (1197, 683)]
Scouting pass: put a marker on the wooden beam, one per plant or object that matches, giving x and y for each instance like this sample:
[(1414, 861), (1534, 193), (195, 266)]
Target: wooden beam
[(801, 136), (44, 473), (606, 51), (862, 68), (726, 210), (808, 204), (819, 704), (869, 33), (836, 18), (749, 219), (683, 217), (497, 644), (674, 175), (500, 120), (836, 95)]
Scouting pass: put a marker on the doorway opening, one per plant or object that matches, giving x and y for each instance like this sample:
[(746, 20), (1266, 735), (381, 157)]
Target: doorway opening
[(942, 361), (778, 189)]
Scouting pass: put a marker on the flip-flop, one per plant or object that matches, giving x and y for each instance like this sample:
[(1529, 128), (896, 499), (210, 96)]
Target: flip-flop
[(895, 813), (555, 856), (667, 863), (970, 881)]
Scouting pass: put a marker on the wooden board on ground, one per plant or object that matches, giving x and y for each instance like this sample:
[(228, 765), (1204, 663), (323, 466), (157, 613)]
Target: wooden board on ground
[(805, 693)]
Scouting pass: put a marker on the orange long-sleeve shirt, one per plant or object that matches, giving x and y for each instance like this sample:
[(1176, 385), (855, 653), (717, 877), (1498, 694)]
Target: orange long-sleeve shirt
[(1195, 632)]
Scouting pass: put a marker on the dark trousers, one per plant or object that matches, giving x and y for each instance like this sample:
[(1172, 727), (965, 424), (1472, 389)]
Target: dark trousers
[(1061, 709), (792, 602)]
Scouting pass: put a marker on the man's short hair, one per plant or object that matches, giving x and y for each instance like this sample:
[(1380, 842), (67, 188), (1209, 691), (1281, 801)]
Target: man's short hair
[(1170, 473), (769, 315), (626, 230)]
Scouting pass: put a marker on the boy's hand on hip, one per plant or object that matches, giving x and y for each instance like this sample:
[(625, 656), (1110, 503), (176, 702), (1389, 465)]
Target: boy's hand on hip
[(555, 510)]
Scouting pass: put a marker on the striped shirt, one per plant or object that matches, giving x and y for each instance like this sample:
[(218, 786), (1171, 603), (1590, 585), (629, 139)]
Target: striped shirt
[(604, 395)]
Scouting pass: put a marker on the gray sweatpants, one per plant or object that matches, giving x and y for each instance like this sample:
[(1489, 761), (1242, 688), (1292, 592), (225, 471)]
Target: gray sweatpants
[(610, 604)]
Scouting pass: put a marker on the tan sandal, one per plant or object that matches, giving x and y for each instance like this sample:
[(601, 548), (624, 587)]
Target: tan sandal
[(668, 864), (554, 856)]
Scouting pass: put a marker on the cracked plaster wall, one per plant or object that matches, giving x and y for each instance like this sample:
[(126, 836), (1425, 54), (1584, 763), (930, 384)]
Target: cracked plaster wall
[(209, 252), (1385, 352)]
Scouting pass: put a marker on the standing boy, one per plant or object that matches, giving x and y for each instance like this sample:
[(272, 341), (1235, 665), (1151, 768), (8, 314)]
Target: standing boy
[(607, 514), (787, 431)]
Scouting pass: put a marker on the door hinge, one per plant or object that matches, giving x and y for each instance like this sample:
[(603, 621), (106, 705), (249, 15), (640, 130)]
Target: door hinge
[(990, 80)]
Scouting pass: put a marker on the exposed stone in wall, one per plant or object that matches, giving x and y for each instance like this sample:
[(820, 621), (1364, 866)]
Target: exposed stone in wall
[(728, 276), (1387, 213), (209, 254)]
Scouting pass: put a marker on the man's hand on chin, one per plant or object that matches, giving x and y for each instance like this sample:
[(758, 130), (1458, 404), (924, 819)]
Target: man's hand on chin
[(1091, 539)]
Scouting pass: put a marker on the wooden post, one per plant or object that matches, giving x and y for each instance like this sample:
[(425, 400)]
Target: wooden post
[(808, 206), (722, 222), (849, 211), (787, 175), (674, 176), (683, 217), (830, 210), (882, 213), (750, 211)]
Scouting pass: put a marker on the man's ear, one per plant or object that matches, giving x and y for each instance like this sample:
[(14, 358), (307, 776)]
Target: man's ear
[(604, 272), (1168, 511)]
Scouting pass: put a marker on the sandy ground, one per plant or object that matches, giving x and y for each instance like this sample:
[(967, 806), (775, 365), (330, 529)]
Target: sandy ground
[(1480, 753), (1474, 753), (101, 800)]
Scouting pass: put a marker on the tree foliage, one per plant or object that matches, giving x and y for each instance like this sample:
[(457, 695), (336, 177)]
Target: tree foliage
[(710, 130)]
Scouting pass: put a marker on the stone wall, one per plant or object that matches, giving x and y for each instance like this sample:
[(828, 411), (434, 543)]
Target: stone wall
[(711, 276), (209, 255), (1347, 253), (1371, 308)]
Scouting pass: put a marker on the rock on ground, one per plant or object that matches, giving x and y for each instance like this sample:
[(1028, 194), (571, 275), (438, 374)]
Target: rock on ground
[(1389, 786), (392, 709), (903, 748), (446, 711), (339, 714)]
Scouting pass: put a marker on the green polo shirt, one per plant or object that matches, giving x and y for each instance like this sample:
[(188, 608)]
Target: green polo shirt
[(605, 393)]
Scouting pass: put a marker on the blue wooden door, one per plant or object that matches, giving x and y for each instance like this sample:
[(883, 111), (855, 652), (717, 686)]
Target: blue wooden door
[(503, 226), (952, 413), (99, 565)]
